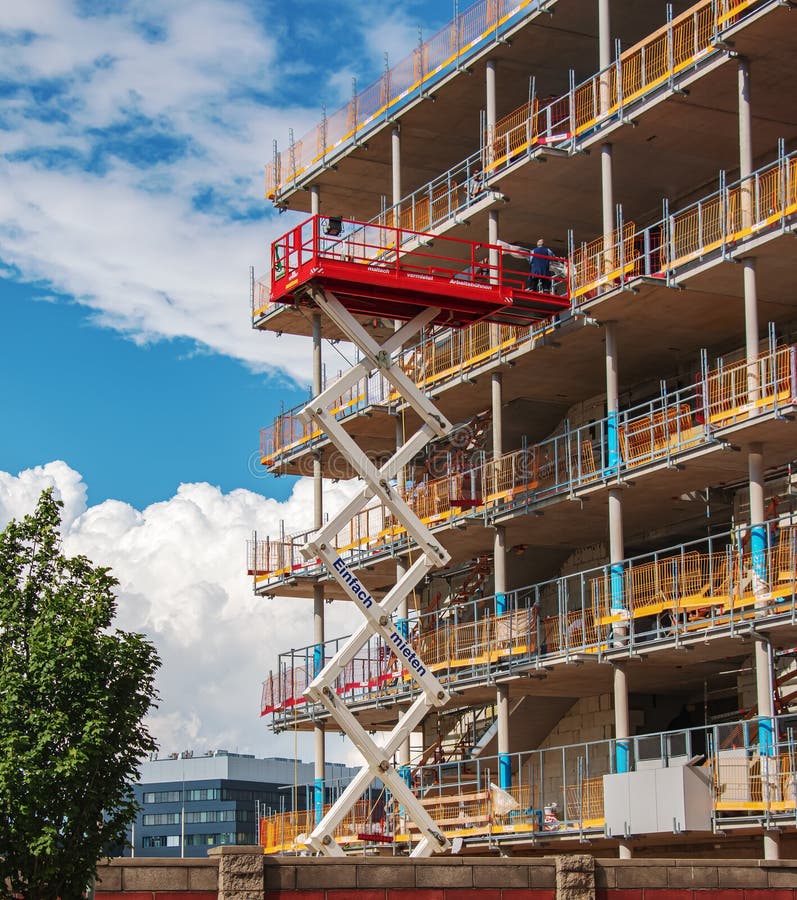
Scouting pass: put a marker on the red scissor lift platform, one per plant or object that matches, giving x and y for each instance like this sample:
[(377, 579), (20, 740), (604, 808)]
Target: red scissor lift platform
[(383, 272)]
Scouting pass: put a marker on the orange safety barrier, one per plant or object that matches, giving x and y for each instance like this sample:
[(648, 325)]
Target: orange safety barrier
[(421, 212), (640, 69), (649, 437), (512, 135), (601, 262), (691, 589), (435, 57), (584, 801), (560, 463), (746, 780)]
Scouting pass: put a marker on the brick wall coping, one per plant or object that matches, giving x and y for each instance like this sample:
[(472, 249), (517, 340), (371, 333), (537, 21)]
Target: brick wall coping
[(149, 862), (508, 861)]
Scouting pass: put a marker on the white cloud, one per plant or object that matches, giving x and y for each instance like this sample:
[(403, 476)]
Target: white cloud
[(126, 240), (181, 567)]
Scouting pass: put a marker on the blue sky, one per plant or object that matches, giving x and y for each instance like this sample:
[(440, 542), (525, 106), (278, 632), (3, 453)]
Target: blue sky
[(132, 142), (166, 116)]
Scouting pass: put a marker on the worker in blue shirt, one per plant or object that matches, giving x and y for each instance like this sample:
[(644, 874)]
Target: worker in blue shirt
[(539, 259)]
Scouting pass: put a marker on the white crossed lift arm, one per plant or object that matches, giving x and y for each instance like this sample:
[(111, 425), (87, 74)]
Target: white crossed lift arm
[(378, 621)]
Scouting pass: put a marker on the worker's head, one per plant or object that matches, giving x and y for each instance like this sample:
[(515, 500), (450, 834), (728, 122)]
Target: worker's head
[(540, 242)]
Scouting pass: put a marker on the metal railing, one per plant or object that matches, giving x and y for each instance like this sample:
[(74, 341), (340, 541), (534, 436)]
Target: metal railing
[(558, 792), (712, 225), (715, 224), (606, 97), (450, 49), (660, 430), (715, 585), (442, 355)]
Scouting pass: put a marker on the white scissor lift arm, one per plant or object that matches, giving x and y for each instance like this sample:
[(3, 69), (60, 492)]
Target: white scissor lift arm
[(377, 615)]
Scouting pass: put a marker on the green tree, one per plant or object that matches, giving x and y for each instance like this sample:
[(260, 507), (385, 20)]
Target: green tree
[(73, 693)]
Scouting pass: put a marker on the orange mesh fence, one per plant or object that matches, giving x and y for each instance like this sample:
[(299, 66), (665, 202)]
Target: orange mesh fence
[(729, 387), (649, 437), (280, 831), (584, 802), (420, 66), (513, 133), (509, 473), (595, 264)]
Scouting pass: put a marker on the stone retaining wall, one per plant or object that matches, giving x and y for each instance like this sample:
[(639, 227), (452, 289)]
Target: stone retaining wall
[(242, 873), (157, 879)]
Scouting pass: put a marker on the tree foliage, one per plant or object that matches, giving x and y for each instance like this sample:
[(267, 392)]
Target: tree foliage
[(73, 693)]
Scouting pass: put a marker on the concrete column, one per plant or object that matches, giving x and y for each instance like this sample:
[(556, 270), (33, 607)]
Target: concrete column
[(504, 761), (755, 461), (315, 200), (616, 556), (491, 97), (612, 397), (499, 571), (758, 548), (762, 654), (616, 540), (497, 384), (607, 194), (395, 146), (749, 265), (745, 119), (607, 187), (751, 329), (499, 546), (492, 237), (319, 754), (604, 34), (771, 845), (622, 730)]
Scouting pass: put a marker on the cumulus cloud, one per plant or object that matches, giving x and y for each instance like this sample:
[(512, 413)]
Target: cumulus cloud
[(131, 152), (182, 581)]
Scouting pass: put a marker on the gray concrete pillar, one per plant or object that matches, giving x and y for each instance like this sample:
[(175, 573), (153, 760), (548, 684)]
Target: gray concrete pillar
[(745, 119), (616, 556), (607, 180), (755, 462), (499, 572), (315, 200), (763, 650), (771, 845), (395, 147), (604, 34), (749, 265), (492, 237), (504, 760), (491, 97)]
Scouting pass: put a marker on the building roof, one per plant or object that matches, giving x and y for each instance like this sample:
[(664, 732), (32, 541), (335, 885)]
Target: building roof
[(235, 767)]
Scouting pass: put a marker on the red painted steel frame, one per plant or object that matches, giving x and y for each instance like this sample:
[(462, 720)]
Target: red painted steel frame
[(362, 268)]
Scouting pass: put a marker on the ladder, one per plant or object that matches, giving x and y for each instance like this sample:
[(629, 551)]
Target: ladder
[(378, 621)]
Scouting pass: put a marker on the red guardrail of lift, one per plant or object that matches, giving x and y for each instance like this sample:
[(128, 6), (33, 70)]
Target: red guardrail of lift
[(392, 273)]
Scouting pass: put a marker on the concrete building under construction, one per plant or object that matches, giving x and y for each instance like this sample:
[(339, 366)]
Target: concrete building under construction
[(560, 234)]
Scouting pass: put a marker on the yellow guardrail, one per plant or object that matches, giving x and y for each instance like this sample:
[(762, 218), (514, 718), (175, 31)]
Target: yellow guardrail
[(647, 65), (432, 59), (743, 781), (558, 465)]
